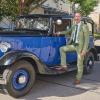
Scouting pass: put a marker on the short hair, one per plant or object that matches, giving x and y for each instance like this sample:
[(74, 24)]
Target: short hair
[(78, 13)]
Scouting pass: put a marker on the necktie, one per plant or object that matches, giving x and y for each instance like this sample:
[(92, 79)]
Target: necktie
[(74, 40)]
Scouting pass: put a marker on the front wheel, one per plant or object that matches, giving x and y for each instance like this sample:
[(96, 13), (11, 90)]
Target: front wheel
[(20, 78), (88, 63)]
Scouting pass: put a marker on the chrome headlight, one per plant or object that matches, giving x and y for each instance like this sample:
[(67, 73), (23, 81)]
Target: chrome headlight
[(4, 46)]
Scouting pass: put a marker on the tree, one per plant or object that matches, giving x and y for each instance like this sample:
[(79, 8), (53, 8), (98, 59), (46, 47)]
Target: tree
[(85, 6), (8, 8), (12, 8)]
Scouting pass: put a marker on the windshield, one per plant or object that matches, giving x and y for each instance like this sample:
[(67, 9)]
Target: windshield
[(33, 23)]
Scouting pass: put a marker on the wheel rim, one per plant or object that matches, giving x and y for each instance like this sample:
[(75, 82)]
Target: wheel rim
[(20, 79), (90, 63)]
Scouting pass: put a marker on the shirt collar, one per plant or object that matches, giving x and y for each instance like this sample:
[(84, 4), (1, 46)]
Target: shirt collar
[(79, 24)]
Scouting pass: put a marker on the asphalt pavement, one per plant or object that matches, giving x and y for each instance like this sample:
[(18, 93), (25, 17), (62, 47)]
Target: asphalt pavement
[(61, 87)]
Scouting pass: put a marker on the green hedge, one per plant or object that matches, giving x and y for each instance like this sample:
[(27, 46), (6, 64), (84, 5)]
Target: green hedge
[(97, 35)]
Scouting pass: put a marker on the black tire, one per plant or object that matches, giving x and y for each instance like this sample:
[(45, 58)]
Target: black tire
[(29, 82), (88, 63)]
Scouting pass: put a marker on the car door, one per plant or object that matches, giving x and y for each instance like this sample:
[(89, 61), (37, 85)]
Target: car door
[(58, 41)]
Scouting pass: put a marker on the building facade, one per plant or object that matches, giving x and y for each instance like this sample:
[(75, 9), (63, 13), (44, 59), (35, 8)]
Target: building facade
[(51, 5), (95, 15)]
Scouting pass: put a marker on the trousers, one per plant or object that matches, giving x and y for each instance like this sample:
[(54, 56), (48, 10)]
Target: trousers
[(80, 59)]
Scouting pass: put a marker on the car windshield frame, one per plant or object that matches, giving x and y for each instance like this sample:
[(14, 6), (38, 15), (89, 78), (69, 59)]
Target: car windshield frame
[(33, 23)]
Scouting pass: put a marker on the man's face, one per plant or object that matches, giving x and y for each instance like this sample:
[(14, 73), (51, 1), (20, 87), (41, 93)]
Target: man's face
[(77, 17)]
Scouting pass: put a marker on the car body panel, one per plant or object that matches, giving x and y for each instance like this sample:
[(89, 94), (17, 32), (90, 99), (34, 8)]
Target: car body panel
[(45, 48), (41, 44)]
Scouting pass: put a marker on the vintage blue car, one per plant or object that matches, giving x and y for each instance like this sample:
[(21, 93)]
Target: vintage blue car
[(32, 48)]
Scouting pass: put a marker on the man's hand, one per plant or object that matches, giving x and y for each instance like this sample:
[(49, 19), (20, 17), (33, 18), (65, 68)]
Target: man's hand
[(83, 53), (57, 33)]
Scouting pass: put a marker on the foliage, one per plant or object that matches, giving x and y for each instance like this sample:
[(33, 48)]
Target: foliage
[(97, 35), (85, 6), (8, 8), (11, 7)]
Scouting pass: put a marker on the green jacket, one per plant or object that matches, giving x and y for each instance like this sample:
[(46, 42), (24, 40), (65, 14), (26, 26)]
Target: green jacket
[(83, 36)]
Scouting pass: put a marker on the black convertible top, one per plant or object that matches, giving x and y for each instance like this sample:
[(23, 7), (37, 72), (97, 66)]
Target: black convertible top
[(46, 15), (67, 16)]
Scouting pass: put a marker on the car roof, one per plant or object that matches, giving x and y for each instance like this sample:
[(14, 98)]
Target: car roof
[(46, 16), (65, 16)]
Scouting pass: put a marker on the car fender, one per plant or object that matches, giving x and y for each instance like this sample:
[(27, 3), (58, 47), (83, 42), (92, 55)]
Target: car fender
[(13, 56)]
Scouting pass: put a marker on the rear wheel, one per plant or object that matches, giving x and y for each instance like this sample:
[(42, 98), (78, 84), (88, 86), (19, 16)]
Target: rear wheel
[(88, 63), (20, 78)]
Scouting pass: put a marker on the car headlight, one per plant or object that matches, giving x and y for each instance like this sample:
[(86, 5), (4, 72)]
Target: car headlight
[(4, 46)]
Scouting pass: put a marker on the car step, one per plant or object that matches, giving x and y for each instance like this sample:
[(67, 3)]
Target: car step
[(70, 67)]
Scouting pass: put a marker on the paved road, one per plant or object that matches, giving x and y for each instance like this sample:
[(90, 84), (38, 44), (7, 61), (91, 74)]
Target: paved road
[(61, 87)]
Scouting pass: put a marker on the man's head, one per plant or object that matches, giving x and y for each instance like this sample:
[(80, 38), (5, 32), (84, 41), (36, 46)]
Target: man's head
[(77, 17)]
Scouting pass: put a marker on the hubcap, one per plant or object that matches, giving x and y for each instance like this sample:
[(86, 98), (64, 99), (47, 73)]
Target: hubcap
[(20, 79), (89, 63)]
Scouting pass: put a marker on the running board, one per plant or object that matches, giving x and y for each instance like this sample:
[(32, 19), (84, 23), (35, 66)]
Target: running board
[(70, 68)]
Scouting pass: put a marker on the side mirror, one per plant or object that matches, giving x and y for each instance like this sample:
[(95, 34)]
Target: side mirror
[(59, 22)]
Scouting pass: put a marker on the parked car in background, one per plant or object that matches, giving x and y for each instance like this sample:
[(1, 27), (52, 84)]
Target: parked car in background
[(32, 48)]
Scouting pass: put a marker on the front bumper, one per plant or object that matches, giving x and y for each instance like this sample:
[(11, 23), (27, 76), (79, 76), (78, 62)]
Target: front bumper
[(2, 81)]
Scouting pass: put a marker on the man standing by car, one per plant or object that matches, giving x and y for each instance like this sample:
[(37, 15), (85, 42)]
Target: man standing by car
[(78, 42)]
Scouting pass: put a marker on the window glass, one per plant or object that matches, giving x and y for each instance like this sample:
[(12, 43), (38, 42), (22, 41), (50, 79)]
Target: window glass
[(33, 23), (65, 24)]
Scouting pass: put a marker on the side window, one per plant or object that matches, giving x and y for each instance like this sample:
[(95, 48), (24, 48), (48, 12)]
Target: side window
[(65, 24)]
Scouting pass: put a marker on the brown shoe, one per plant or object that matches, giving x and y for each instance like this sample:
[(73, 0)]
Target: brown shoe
[(76, 82)]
